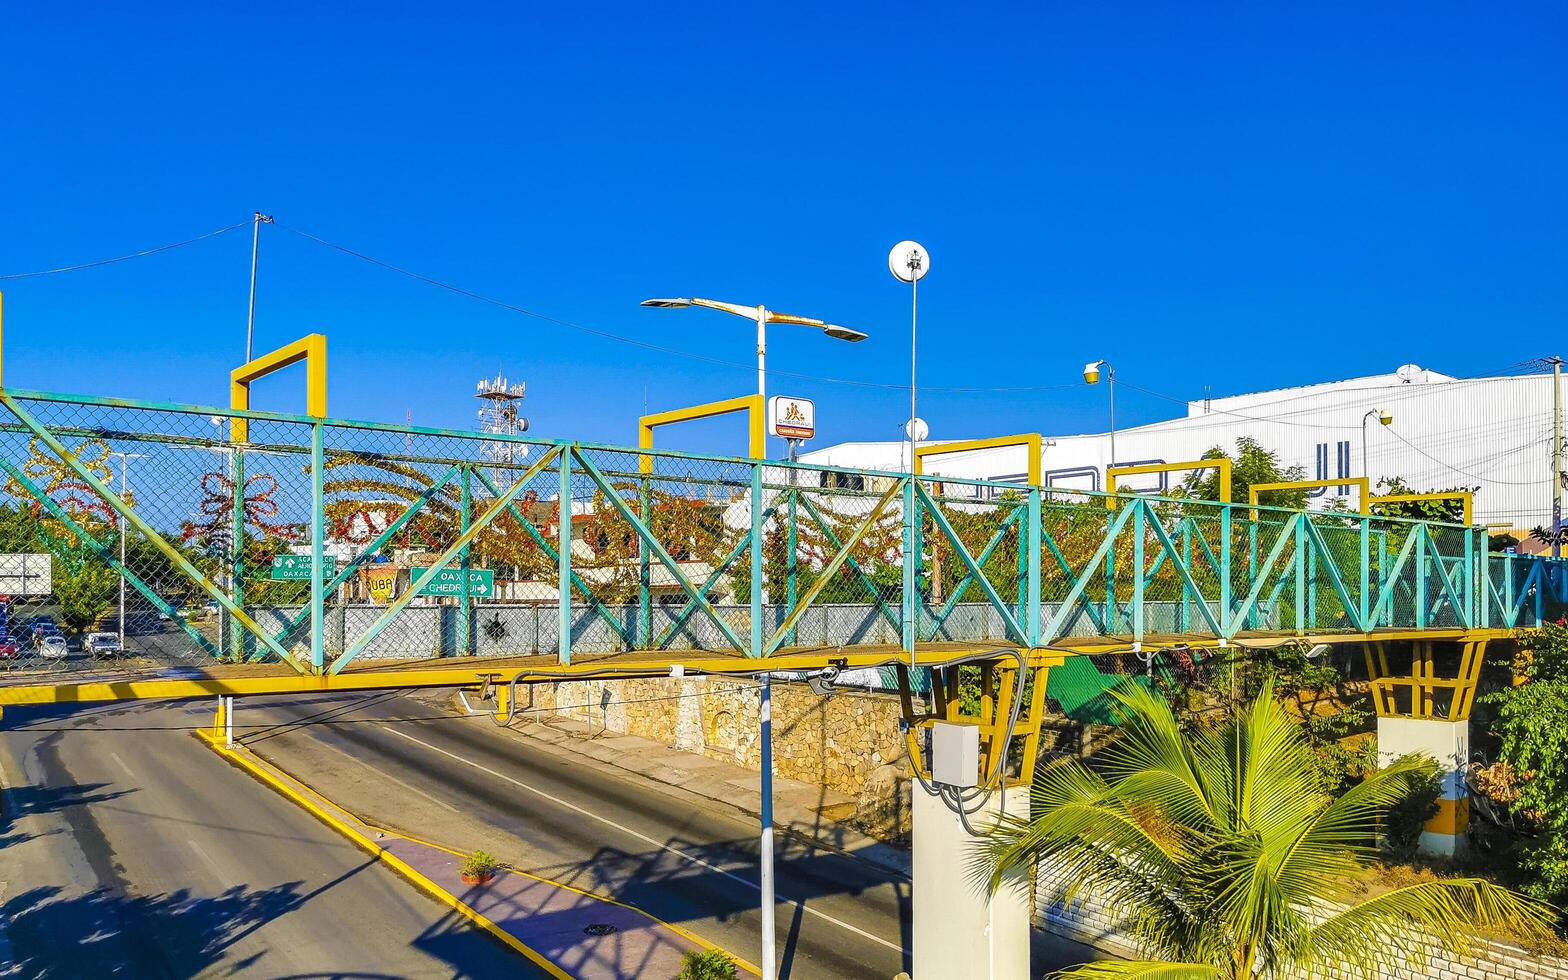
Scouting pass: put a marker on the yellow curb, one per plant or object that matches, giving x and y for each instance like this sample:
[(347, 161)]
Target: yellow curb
[(243, 760)]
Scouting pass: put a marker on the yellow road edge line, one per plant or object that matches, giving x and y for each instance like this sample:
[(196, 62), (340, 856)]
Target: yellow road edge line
[(245, 762), (258, 766)]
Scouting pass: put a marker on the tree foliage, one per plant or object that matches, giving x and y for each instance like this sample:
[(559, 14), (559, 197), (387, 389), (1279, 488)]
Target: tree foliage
[(689, 528), (1532, 725), (707, 964), (86, 593), (1251, 464), (1219, 851), (1211, 692), (1443, 511)]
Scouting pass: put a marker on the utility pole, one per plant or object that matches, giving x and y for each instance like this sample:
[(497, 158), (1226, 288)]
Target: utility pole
[(255, 247), (1557, 456)]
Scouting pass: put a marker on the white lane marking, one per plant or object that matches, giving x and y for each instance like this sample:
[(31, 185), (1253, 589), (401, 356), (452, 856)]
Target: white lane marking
[(121, 763), (644, 837), (412, 789), (207, 858)]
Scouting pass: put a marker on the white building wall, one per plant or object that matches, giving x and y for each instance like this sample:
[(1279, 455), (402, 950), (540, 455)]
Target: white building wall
[(1491, 433)]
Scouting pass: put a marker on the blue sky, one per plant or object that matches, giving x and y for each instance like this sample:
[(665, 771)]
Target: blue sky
[(1235, 195)]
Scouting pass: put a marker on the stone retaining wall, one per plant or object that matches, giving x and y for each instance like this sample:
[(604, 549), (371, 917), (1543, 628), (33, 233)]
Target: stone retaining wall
[(837, 742)]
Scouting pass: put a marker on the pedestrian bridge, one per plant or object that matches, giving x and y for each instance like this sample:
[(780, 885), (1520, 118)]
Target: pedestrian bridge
[(259, 552), (444, 546)]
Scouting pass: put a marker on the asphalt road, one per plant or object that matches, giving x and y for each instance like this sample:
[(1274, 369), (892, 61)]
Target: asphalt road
[(127, 849), (409, 763)]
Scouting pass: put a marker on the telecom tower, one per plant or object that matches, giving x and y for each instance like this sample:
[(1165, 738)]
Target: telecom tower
[(499, 403)]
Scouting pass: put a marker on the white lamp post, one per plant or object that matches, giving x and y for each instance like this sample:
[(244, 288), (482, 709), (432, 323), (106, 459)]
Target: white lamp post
[(1091, 374), (764, 316), (1386, 419), (909, 262)]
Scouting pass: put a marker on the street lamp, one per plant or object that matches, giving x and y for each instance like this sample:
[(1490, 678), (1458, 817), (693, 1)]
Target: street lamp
[(762, 316), (1383, 417), (1091, 374), (123, 458)]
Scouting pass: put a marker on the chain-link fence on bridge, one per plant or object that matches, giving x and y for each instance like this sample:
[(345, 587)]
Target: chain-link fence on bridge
[(148, 536)]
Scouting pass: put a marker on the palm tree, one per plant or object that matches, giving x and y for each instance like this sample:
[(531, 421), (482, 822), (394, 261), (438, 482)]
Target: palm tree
[(1219, 855)]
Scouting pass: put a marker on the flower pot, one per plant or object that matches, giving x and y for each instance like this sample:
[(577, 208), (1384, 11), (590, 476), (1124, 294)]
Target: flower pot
[(478, 879)]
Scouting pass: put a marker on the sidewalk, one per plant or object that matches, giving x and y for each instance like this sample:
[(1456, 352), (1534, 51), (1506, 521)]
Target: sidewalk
[(799, 809), (566, 932)]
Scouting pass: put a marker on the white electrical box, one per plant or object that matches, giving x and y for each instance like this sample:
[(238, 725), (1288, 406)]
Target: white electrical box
[(955, 754)]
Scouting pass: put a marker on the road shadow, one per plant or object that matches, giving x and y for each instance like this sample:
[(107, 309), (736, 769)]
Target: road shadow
[(687, 881), (110, 933), (17, 802)]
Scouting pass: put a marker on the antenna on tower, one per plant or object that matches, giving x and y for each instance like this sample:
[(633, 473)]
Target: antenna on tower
[(499, 404)]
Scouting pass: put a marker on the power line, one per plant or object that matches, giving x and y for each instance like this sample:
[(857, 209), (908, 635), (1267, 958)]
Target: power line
[(123, 258), (1455, 469), (643, 344)]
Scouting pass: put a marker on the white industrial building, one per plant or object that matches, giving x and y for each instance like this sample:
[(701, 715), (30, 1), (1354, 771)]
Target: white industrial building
[(1491, 433)]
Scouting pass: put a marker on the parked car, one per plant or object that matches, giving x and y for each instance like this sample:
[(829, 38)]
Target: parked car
[(103, 644), (52, 648), (9, 650)]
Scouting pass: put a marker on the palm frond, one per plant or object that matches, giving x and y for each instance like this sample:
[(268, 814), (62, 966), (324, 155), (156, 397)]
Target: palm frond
[(1329, 848), (1133, 900), (1398, 926), (1151, 741), (1074, 828), (1273, 770)]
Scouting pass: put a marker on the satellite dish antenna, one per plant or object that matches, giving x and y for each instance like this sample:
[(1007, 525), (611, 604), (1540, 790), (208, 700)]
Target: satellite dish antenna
[(909, 261), (917, 429)]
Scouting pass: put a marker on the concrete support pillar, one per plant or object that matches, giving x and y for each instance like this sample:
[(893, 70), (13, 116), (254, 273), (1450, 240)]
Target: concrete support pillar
[(961, 930), (1449, 743)]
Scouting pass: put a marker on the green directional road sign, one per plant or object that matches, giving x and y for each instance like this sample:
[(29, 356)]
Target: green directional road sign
[(297, 567), (449, 582)]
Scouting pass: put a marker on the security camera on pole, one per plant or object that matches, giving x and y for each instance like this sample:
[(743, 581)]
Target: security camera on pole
[(909, 262)]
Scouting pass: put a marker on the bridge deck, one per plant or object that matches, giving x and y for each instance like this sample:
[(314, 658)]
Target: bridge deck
[(133, 683)]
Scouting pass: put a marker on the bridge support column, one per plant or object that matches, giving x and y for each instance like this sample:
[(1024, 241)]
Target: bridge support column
[(1427, 711), (960, 928), (503, 702), (1449, 743)]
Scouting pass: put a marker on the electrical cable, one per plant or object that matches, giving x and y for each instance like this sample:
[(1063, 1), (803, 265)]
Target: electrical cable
[(123, 258), (1450, 466), (643, 344), (955, 799)]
